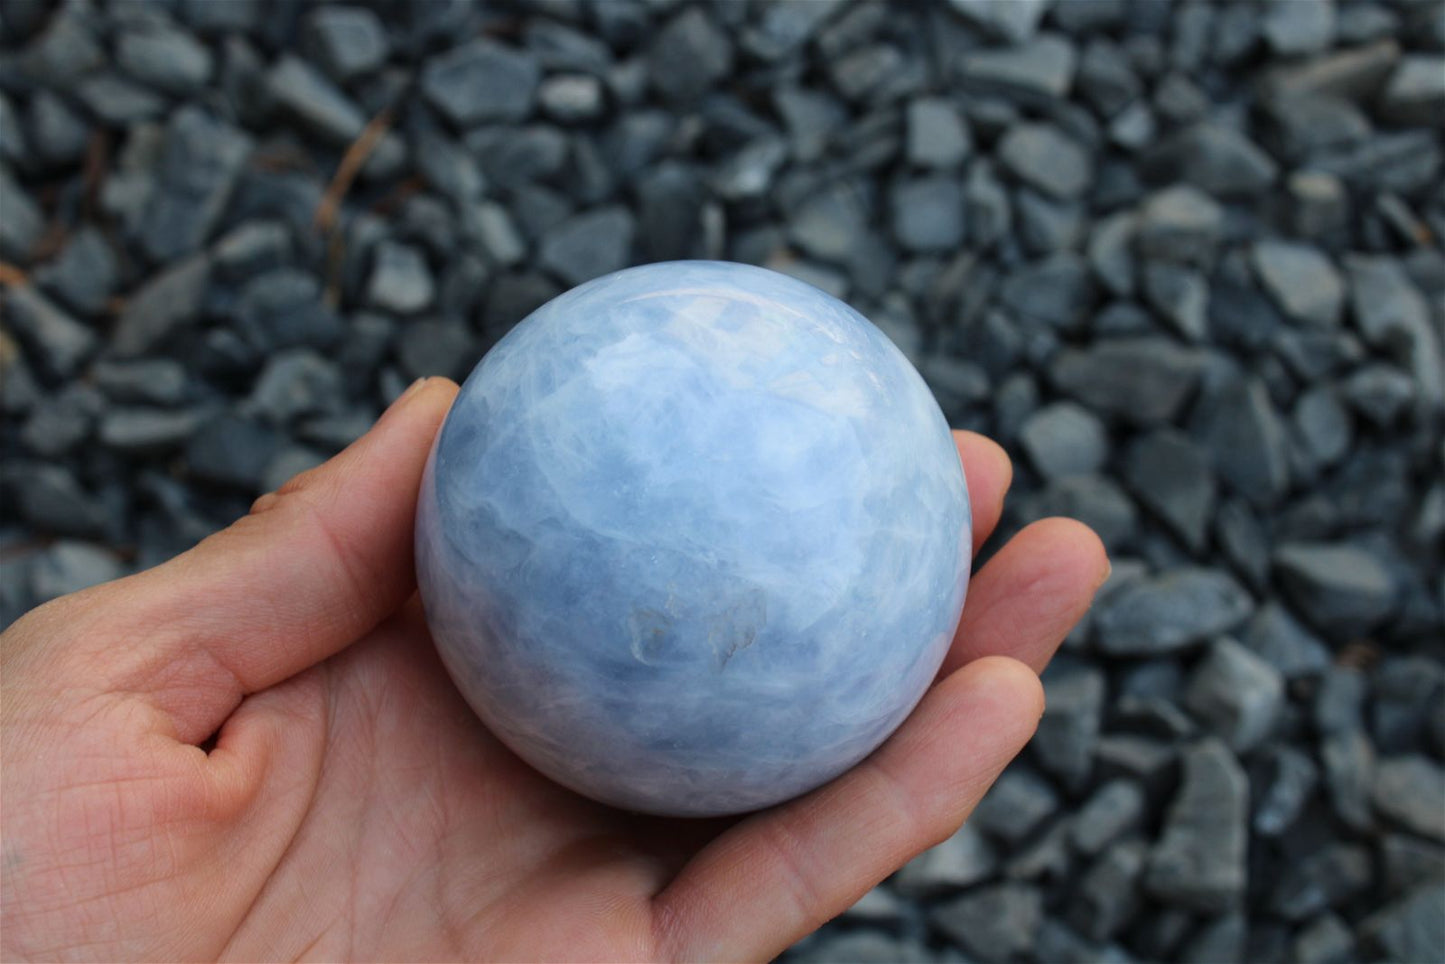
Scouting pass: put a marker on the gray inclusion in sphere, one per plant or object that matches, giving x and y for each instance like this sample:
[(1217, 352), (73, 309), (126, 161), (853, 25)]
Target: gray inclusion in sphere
[(694, 538)]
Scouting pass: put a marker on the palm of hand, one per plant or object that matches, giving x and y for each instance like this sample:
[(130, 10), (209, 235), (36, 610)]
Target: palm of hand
[(350, 805)]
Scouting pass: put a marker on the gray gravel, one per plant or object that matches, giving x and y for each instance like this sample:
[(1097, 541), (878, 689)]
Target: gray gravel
[(1182, 259)]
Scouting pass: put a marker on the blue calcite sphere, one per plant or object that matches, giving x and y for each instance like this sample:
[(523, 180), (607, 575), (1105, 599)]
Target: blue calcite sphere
[(694, 538)]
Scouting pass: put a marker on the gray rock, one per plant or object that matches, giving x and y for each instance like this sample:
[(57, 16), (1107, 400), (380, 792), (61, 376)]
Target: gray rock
[(85, 273), (400, 280), (1322, 880), (348, 41), (1115, 809), (1321, 205), (1214, 158), (1353, 73), (62, 421), (1239, 427), (1107, 895), (1180, 223), (1380, 393), (861, 947), (1180, 296), (435, 347), (312, 100), (209, 17), (811, 117), (962, 860), (1142, 380), (147, 431), (670, 199), (1047, 225), (1404, 694), (938, 136), (481, 80), (153, 381), (23, 222), (295, 383), (986, 204), (168, 302), (1411, 928), (164, 57), (1042, 156), (688, 56), (1199, 860), (1065, 439), (1171, 477), (68, 567), (1169, 612), (513, 156), (1095, 501), (493, 227), (829, 224), (1141, 758), (1410, 790), (284, 308), (1222, 939), (1401, 161), (1415, 93), (1349, 769), (1324, 940), (1341, 589), (1043, 66), (785, 27), (200, 162), (1110, 254), (1322, 425), (1067, 733), (56, 133), (1134, 127), (50, 498), (251, 248), (118, 101), (1056, 942), (1106, 79), (563, 48), (63, 52), (749, 172), (588, 245), (1178, 100), (1301, 280), (56, 342), (1392, 315), (1013, 21), (1276, 637), (1235, 694), (1015, 805), (1057, 291), (571, 98), (232, 450), (1292, 29), (1409, 861), (993, 923), (1289, 782), (1339, 700), (1045, 858), (927, 213), (868, 73)]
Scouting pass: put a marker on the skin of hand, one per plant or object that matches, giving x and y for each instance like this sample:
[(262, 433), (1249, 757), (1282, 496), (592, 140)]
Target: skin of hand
[(252, 752)]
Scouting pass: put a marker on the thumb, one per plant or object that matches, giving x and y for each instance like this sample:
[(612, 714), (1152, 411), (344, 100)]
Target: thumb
[(313, 567)]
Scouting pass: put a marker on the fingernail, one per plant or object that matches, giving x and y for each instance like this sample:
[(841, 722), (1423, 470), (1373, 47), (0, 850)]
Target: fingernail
[(1108, 571), (411, 390)]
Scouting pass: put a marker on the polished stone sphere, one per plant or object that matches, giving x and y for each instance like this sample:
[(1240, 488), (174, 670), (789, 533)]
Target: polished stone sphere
[(693, 539)]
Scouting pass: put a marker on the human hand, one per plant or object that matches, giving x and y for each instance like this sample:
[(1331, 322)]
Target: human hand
[(253, 752)]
